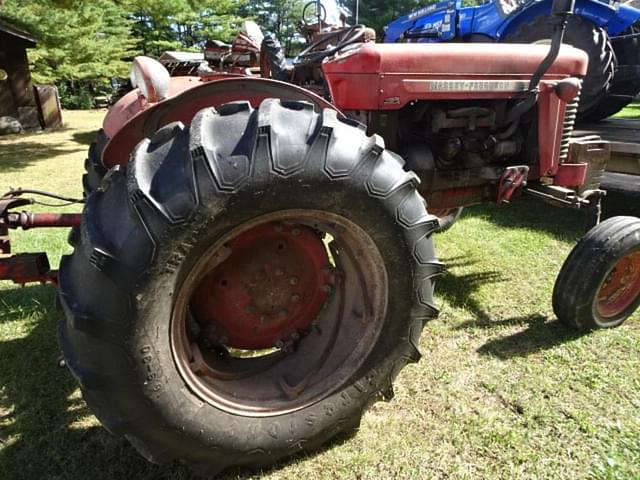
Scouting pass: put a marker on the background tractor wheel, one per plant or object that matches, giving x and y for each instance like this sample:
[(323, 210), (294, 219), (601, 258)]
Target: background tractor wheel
[(584, 35), (626, 83), (248, 287), (599, 284)]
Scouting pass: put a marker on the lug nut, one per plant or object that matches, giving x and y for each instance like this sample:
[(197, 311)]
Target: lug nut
[(295, 298), (294, 280)]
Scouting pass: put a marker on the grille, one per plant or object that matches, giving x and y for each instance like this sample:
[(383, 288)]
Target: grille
[(567, 129)]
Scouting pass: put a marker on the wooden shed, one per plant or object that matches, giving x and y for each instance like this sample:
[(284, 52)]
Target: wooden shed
[(17, 95)]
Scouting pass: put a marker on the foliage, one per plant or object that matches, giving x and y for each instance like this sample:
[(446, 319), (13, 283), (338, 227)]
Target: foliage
[(278, 17), (79, 98), (378, 13), (90, 41), (161, 25)]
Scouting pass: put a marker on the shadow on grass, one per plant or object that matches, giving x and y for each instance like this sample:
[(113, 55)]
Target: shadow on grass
[(458, 289), (564, 224), (528, 213), (540, 334), (46, 429), (85, 138), (18, 156)]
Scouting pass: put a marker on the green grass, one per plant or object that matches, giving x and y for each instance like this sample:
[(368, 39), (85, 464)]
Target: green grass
[(503, 390), (631, 111)]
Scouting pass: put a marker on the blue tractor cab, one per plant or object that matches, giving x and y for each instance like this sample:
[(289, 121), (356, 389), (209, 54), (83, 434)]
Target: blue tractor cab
[(609, 33)]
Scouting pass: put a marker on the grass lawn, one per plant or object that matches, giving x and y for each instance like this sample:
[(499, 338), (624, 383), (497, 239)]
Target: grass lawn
[(503, 390), (631, 111)]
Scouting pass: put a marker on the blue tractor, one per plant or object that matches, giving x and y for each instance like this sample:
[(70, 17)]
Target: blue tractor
[(608, 32)]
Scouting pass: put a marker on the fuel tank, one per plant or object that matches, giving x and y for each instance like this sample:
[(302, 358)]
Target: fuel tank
[(388, 76)]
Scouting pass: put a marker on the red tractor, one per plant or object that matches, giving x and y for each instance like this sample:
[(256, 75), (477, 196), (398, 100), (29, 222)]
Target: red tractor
[(254, 265)]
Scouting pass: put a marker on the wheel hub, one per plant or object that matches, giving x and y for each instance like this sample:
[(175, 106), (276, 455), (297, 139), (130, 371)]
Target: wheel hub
[(621, 287), (268, 291)]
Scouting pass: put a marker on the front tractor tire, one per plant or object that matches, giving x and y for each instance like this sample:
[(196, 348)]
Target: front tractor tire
[(247, 286), (599, 283)]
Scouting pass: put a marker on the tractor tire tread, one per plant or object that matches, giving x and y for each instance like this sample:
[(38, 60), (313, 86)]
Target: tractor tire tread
[(228, 150), (585, 268)]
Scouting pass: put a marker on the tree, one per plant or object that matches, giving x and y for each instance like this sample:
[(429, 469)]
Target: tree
[(89, 42), (279, 17), (378, 13), (161, 25)]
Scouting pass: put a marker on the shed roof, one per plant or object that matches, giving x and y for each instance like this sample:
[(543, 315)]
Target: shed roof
[(25, 38)]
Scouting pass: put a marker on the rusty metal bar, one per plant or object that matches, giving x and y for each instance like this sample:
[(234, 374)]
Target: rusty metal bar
[(27, 220)]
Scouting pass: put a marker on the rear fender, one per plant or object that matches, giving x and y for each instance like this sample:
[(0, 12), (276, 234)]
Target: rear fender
[(184, 106), (600, 14), (624, 18), (134, 102)]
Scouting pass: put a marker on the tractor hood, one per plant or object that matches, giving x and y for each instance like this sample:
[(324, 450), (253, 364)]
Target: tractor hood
[(388, 76)]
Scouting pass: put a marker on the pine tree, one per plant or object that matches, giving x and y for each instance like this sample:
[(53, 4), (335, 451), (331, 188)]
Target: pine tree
[(378, 13), (89, 42), (278, 17), (161, 25)]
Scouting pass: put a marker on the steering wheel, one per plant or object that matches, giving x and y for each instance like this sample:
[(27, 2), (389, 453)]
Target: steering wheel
[(348, 37), (319, 13)]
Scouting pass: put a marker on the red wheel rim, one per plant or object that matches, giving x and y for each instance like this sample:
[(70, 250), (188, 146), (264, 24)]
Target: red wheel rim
[(270, 288), (621, 288), (231, 360)]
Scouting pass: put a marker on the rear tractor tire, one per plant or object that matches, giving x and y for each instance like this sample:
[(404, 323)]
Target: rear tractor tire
[(247, 286), (94, 169), (599, 283), (586, 36)]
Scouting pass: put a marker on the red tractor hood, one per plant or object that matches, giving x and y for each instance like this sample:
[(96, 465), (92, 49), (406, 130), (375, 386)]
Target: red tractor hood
[(387, 76)]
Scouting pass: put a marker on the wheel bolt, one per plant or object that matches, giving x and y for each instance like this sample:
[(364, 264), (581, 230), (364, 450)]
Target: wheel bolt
[(295, 298), (294, 280)]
